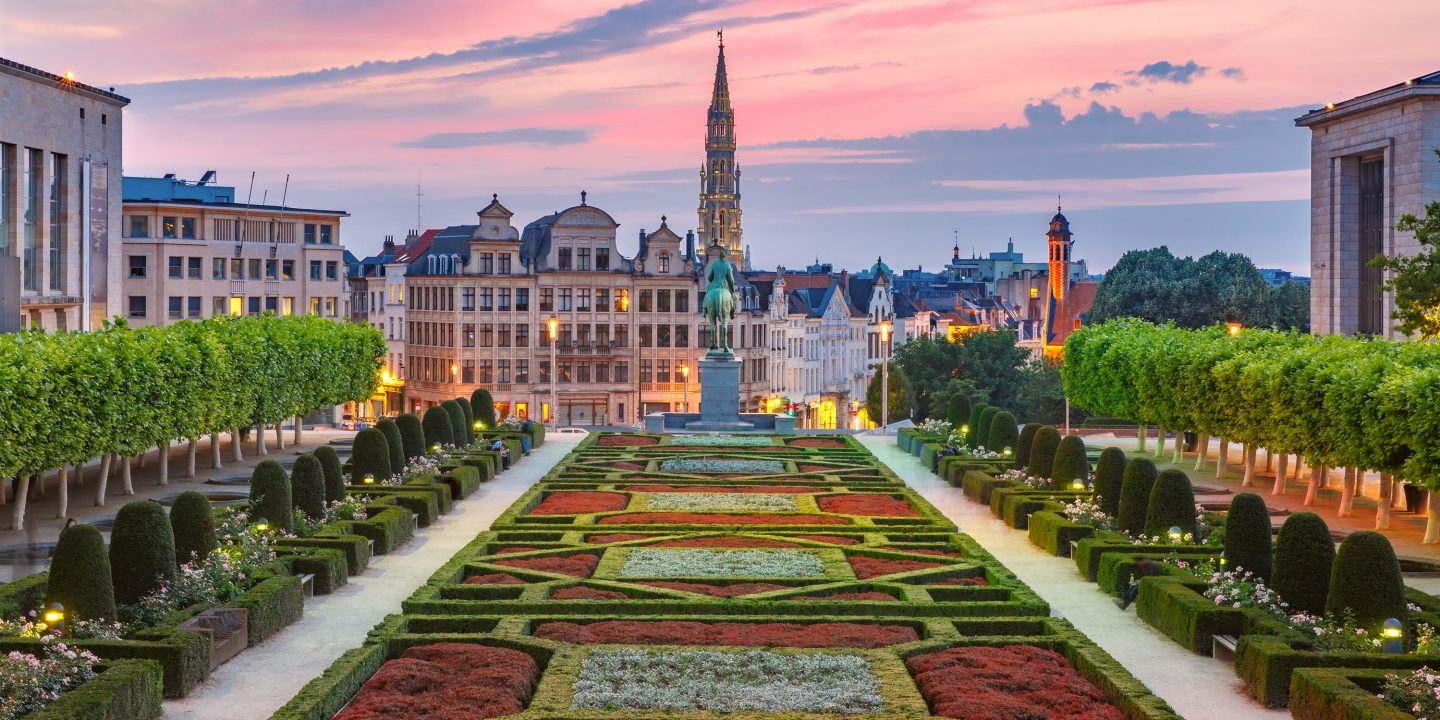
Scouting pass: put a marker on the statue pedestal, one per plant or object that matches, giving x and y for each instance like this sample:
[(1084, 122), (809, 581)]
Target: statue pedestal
[(719, 396)]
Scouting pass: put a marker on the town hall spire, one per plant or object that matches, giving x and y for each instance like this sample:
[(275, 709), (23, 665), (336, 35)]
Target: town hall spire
[(719, 210)]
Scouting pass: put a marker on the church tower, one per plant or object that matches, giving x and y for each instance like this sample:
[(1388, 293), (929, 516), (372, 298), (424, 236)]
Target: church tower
[(1059, 241), (719, 209)]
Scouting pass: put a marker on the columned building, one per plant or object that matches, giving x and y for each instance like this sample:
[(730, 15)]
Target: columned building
[(1372, 160)]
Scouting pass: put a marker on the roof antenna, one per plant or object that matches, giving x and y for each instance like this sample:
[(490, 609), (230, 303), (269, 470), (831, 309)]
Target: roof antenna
[(1057, 204), (419, 193)]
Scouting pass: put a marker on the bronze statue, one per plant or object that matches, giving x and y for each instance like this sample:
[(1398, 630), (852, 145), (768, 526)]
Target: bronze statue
[(719, 304)]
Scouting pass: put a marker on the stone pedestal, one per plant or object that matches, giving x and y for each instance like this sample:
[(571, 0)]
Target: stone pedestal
[(719, 396)]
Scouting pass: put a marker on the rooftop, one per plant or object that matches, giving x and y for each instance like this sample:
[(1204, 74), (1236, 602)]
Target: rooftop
[(1423, 85), (173, 190), (62, 80)]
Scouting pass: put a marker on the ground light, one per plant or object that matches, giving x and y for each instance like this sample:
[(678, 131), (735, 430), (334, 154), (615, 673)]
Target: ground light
[(1007, 452), (262, 526), (1394, 637), (368, 479), (55, 617), (1175, 533), (1078, 485)]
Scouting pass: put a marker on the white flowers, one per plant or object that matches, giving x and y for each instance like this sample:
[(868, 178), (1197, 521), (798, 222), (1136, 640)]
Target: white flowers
[(1417, 691), (692, 563), (935, 427), (722, 502), (754, 681), (1020, 476), (715, 465), (721, 441), (1083, 511)]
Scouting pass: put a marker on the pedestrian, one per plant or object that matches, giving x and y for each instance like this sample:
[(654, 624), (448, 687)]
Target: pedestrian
[(1144, 567)]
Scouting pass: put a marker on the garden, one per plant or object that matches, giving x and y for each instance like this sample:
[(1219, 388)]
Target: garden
[(649, 574)]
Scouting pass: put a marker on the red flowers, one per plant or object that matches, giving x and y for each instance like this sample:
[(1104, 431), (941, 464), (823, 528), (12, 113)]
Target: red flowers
[(816, 443), (494, 579), (788, 489), (614, 538), (577, 502), (577, 565), (832, 539), (626, 441), (680, 518), (680, 632), (581, 592), (448, 681), (867, 595), (868, 567), (723, 542), (1014, 682), (724, 591), (962, 581), (866, 504)]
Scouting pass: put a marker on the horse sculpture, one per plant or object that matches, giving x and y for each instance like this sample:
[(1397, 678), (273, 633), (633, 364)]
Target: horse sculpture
[(719, 304)]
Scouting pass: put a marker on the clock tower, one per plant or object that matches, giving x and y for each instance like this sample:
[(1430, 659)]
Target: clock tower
[(719, 211)]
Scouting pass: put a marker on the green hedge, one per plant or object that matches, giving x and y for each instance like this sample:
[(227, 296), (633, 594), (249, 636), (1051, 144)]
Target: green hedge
[(142, 550), (354, 549), (1042, 452), (329, 566), (1304, 555), (123, 690), (1053, 533), (978, 486), (1175, 607), (18, 597), (1341, 694), (1266, 663), (80, 573), (390, 526), (273, 604), (324, 696), (1365, 580)]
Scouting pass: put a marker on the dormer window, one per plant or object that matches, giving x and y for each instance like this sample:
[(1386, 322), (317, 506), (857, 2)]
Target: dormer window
[(664, 262)]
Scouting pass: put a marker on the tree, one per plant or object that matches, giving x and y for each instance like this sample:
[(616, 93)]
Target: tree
[(469, 411), (1247, 536), (1040, 394), (307, 487), (1109, 478), (989, 360), (370, 457), (484, 408), (1172, 504), (1155, 285), (1290, 306), (957, 409), (412, 435), (334, 474), (1070, 463), (899, 395), (459, 430), (1415, 279), (1140, 474), (192, 522), (394, 443), (270, 496), (982, 430), (1022, 446), (142, 550), (437, 427), (1042, 452), (1304, 554), (80, 575), (1003, 434), (1365, 580)]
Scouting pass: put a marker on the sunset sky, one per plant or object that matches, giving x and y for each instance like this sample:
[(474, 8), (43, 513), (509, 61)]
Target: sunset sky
[(865, 128)]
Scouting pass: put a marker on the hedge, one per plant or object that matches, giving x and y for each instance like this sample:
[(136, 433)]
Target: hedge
[(412, 435), (1172, 504), (79, 576), (1139, 479), (1042, 452), (272, 604), (1175, 607), (1265, 663), (370, 456), (459, 429), (270, 496), (469, 411), (334, 474), (976, 411), (979, 486), (437, 427), (1003, 434), (1341, 694), (123, 690), (1022, 445), (192, 521), (1070, 463), (142, 550), (394, 443), (1248, 536), (1365, 580), (484, 407), (307, 486), (987, 419), (957, 410), (1109, 478), (1053, 532), (1304, 556)]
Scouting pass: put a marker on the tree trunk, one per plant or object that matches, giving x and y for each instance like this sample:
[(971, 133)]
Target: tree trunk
[(1269, 459), (79, 470), (260, 440), (190, 459), (215, 451), (279, 436), (1248, 452), (236, 454), (299, 431), (1382, 509), (104, 480), (1179, 455), (1160, 442), (1315, 472), (125, 474), (22, 488), (162, 453), (1201, 448), (1221, 458), (1347, 492), (64, 491), (1359, 483), (1295, 472), (1432, 523), (1279, 488)]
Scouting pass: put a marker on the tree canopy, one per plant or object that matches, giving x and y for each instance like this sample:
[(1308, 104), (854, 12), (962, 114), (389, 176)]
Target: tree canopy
[(1155, 285)]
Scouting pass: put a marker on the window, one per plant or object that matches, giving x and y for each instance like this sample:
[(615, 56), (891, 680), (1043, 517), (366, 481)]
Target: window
[(467, 371), (192, 267), (602, 372), (140, 228), (504, 263), (467, 298), (332, 269), (662, 371), (602, 258), (682, 336), (582, 259), (314, 269), (602, 335), (567, 371), (487, 373), (287, 269), (314, 306), (217, 268), (487, 299), (252, 305), (622, 371), (565, 304), (217, 305), (522, 299), (187, 228), (332, 309), (254, 264), (622, 336), (646, 304), (237, 269), (174, 305), (271, 304), (504, 335), (272, 269), (169, 228), (237, 305), (582, 372), (137, 264), (646, 336), (176, 267), (137, 306), (564, 258), (583, 300), (522, 371), (622, 300), (503, 374), (602, 299), (192, 306), (542, 371), (504, 298), (487, 263), (682, 301), (647, 372), (309, 233), (662, 336), (522, 335), (327, 236), (547, 299), (564, 338), (487, 335), (664, 262), (467, 335), (662, 300)]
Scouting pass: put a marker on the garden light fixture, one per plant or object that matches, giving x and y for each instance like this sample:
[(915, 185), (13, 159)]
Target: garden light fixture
[(1175, 533), (262, 526), (1078, 485), (369, 479), (55, 617), (1394, 637)]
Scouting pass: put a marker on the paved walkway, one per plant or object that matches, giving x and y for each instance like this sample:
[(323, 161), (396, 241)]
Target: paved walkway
[(260, 680), (1197, 687)]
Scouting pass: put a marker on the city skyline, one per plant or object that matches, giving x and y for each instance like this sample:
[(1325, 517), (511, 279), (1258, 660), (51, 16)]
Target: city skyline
[(1181, 135)]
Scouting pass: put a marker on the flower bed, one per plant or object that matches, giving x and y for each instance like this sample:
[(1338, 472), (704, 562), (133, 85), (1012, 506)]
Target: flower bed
[(614, 538), (647, 563), (721, 502), (723, 541), (832, 539), (721, 441), (494, 579), (874, 595), (973, 581), (581, 592), (721, 591), (448, 681), (626, 441), (582, 565), (866, 505), (816, 443), (868, 567), (1014, 682), (756, 681), (764, 489), (681, 518), (738, 634), (578, 502), (720, 465)]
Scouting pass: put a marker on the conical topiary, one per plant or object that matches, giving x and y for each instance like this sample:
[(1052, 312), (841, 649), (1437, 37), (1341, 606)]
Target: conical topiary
[(1042, 452), (412, 435), (1247, 536), (394, 443), (1022, 446), (370, 456), (437, 427), (1365, 580), (1304, 554), (307, 487), (957, 410), (973, 437), (987, 418), (270, 495), (1140, 474), (334, 473), (192, 522), (484, 408), (1172, 504), (1109, 478), (80, 575), (1003, 434), (459, 435), (142, 551), (469, 411), (1070, 463)]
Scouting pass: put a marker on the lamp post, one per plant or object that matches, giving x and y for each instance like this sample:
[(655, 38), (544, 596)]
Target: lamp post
[(885, 378), (685, 372), (552, 328), (455, 378)]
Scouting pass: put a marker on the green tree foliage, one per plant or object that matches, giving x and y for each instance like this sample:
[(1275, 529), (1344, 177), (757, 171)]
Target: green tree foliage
[(1365, 580), (1139, 479), (1022, 446), (142, 550), (370, 456), (459, 432), (1415, 279), (394, 443), (80, 575), (1109, 478), (1042, 452), (192, 522), (958, 410), (437, 427), (270, 495), (1172, 504), (982, 430), (990, 361), (1290, 306), (307, 486), (484, 408), (469, 411), (974, 437), (334, 474), (1003, 433), (1304, 554), (1040, 395), (899, 395), (1247, 536), (412, 435), (1155, 285), (1070, 463)]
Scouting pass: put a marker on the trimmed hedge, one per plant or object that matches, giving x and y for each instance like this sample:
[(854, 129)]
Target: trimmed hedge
[(334, 475), (1109, 478), (80, 575), (469, 411), (1266, 663), (1341, 694), (1053, 532), (273, 604), (1304, 556), (1139, 478), (459, 429), (394, 443), (957, 410), (324, 697), (1365, 580), (437, 427), (270, 496), (412, 435), (1248, 536), (307, 487), (123, 690), (1070, 463), (484, 408), (1172, 504), (142, 550), (1022, 445), (973, 437), (987, 419), (1175, 607), (1042, 452), (979, 486), (1003, 433), (370, 456), (192, 521)]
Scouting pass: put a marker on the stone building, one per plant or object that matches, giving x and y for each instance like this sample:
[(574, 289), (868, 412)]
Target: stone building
[(60, 151), (377, 298), (190, 250), (1371, 160)]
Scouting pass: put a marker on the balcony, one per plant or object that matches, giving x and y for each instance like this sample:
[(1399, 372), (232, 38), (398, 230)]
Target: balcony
[(593, 347)]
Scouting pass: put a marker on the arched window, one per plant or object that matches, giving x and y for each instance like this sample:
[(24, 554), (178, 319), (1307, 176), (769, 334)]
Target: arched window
[(664, 262)]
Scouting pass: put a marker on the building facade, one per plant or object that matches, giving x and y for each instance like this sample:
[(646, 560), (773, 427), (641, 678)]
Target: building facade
[(60, 165), (1371, 160), (190, 251)]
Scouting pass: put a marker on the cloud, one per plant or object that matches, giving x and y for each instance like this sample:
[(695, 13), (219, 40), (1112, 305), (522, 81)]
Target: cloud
[(830, 70), (1234, 73), (1164, 71), (1103, 87), (546, 137)]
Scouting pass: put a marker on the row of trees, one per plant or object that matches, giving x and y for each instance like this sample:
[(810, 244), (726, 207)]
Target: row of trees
[(67, 398), (986, 367), (1356, 403), (1155, 285)]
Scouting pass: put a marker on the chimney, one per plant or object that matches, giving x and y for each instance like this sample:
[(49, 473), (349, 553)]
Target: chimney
[(690, 244), (845, 281)]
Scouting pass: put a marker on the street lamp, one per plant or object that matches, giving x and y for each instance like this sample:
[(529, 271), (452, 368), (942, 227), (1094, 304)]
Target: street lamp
[(885, 378), (455, 378), (552, 328), (685, 371), (1233, 328)]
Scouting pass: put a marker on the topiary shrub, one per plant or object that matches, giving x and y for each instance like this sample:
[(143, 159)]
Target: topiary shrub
[(80, 575), (1042, 452), (1070, 463), (469, 411), (192, 522), (334, 474), (973, 437), (957, 410), (395, 443), (1109, 478), (1247, 536), (483, 407), (371, 456), (1172, 504), (1139, 478), (987, 418), (270, 494), (459, 435), (1002, 433), (1365, 580), (437, 427), (142, 550), (1304, 554), (412, 435), (307, 487), (1022, 446)]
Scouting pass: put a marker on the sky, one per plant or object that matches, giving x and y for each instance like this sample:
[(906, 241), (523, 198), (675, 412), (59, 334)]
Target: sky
[(865, 129)]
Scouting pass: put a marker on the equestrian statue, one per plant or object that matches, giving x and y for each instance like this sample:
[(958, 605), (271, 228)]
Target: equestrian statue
[(719, 304)]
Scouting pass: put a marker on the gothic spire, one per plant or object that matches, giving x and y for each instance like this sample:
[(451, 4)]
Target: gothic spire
[(720, 96)]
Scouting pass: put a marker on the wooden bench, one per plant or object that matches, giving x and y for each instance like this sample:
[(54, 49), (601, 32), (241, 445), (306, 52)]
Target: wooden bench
[(1223, 647), (307, 584), (227, 629)]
